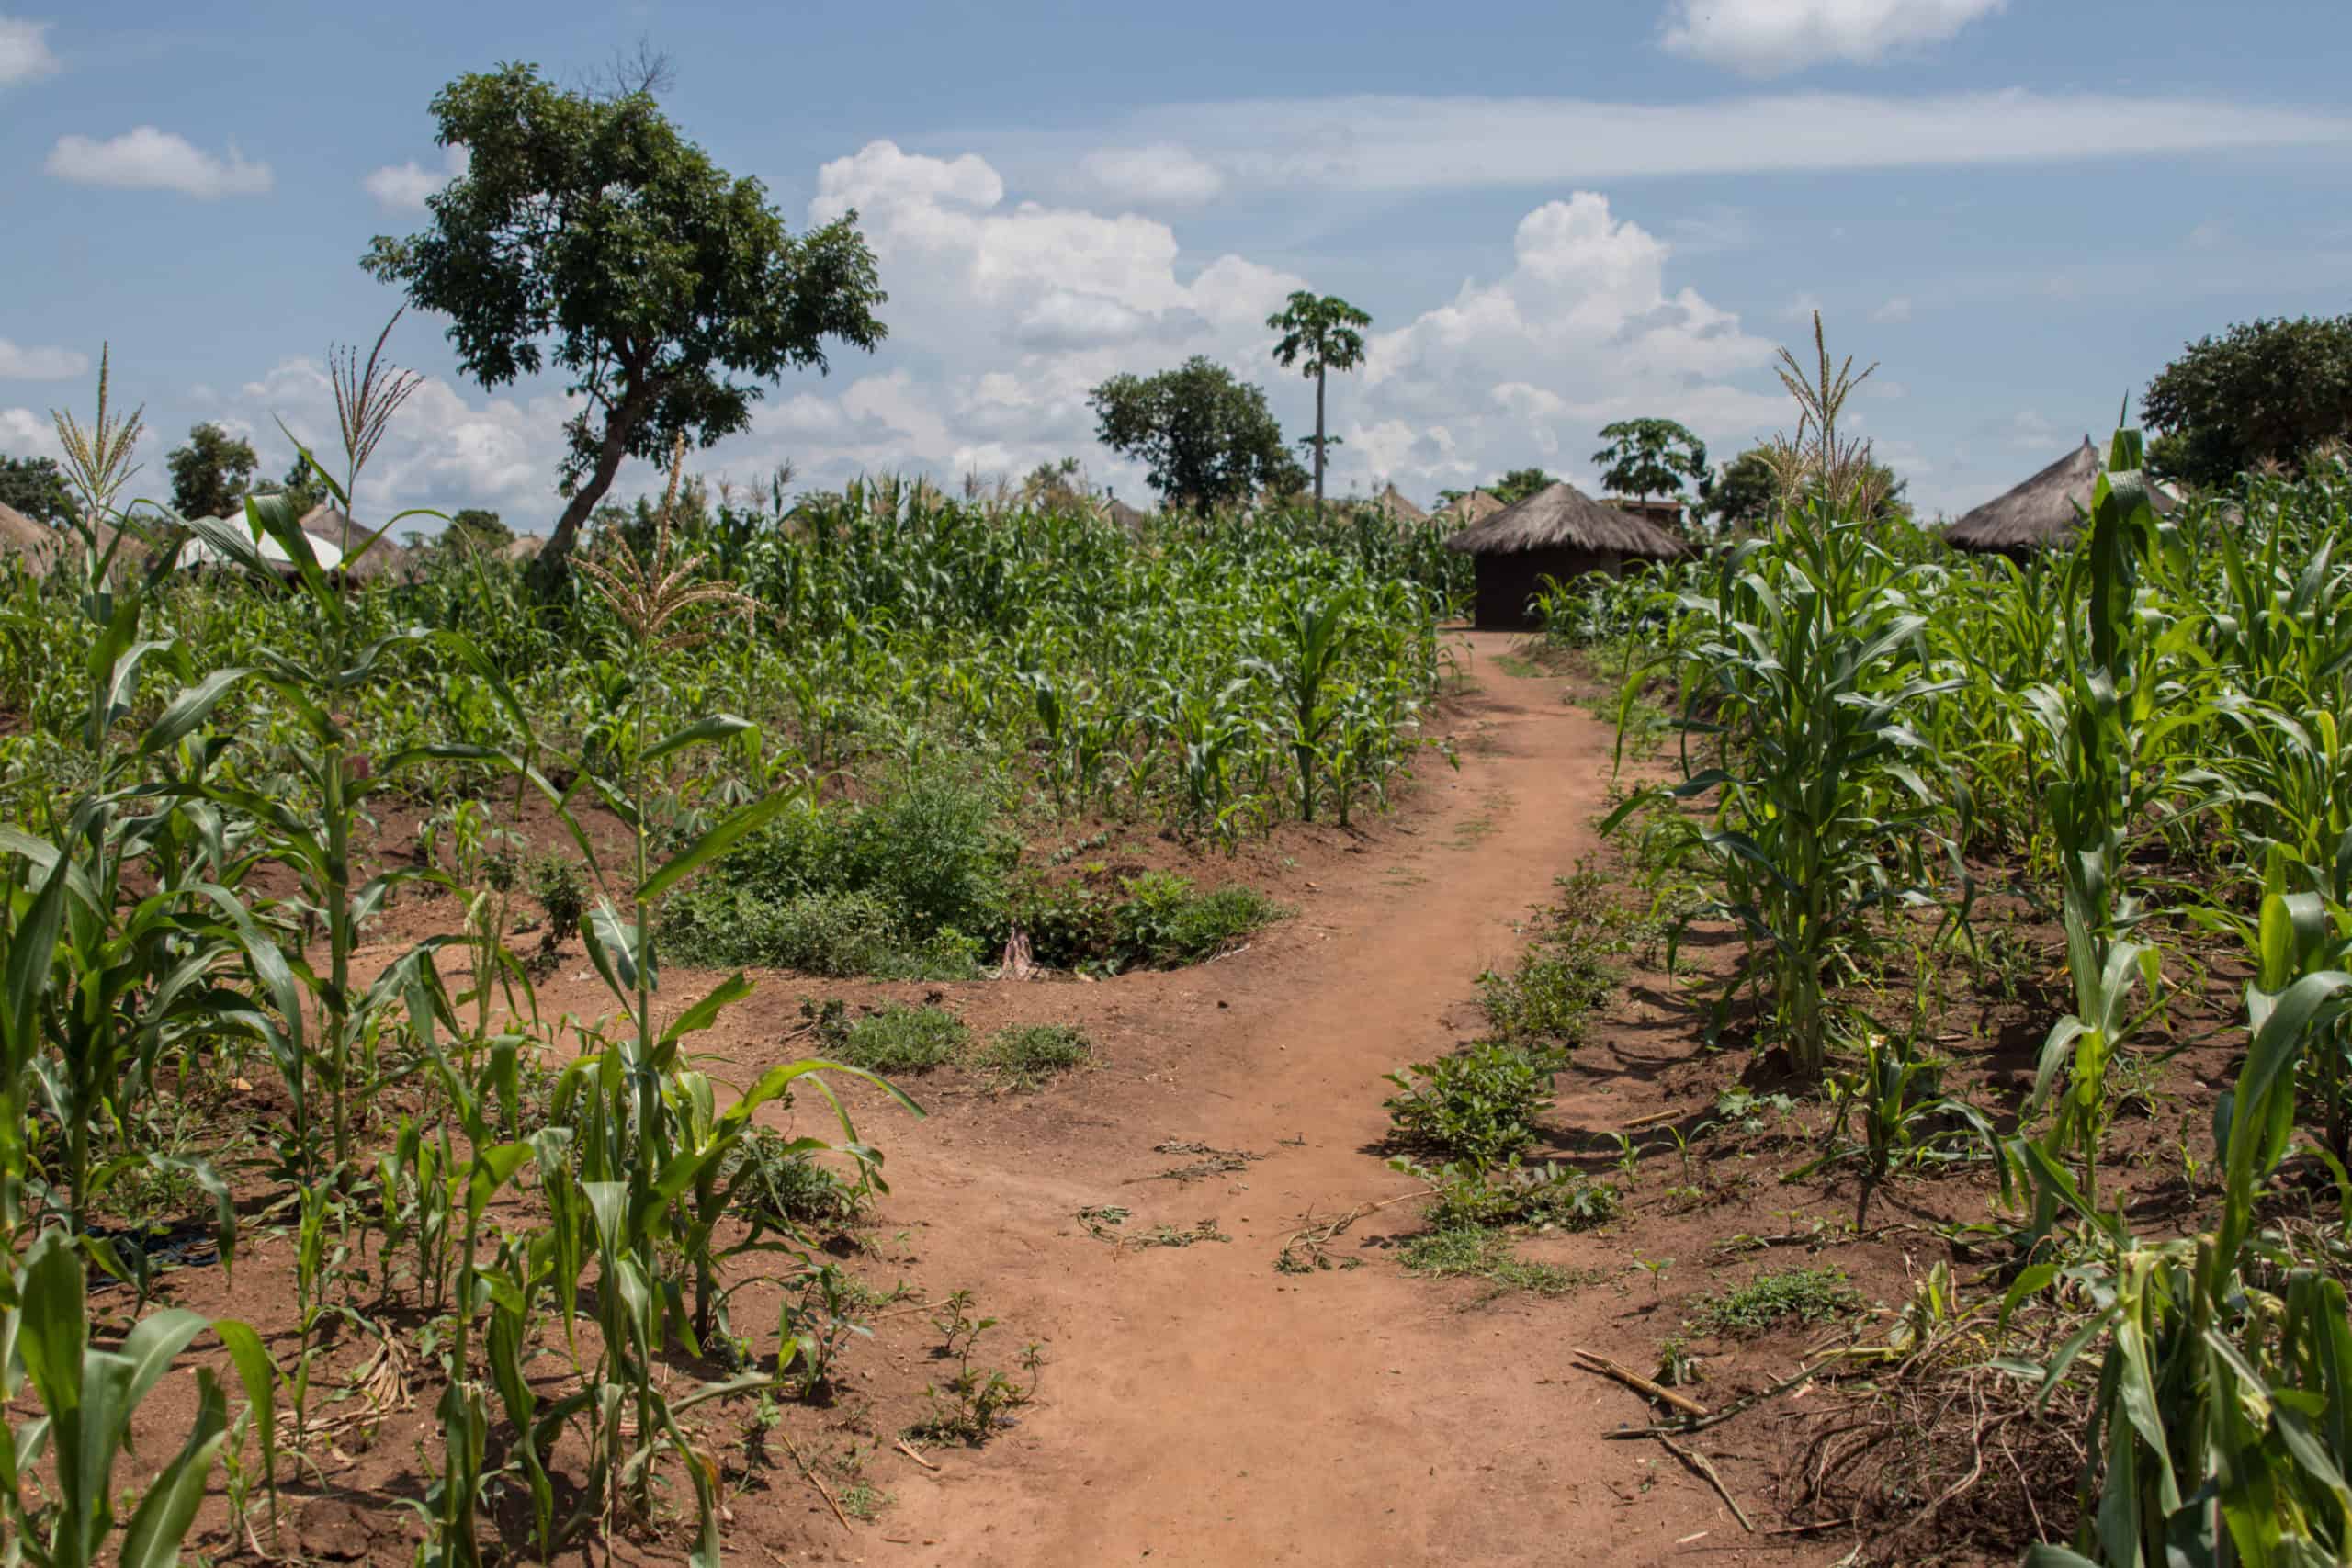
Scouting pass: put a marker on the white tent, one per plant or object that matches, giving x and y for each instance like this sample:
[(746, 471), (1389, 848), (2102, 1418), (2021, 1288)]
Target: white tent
[(197, 552)]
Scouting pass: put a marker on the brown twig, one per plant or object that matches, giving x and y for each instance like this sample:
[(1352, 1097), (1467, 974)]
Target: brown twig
[(1700, 1424), (1701, 1464), (1593, 1362), (914, 1456), (810, 1475)]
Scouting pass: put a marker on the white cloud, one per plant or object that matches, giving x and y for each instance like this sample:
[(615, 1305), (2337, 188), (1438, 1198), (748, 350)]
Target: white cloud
[(1893, 312), (1161, 174), (403, 187), (24, 434), (1771, 37), (40, 364), (149, 159), (24, 51), (1398, 143), (1020, 307)]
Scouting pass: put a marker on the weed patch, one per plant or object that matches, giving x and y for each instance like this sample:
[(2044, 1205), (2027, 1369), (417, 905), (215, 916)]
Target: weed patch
[(1481, 1252), (1024, 1059), (1770, 1301)]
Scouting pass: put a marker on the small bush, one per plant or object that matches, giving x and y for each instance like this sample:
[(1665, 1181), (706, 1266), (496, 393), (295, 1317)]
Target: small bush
[(1799, 1295), (1478, 1106), (1023, 1059), (1549, 1197), (787, 1190), (913, 886), (898, 1039), (562, 892), (1158, 920)]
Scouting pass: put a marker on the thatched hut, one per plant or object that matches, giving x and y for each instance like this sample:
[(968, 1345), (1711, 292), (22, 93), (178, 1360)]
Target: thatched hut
[(2045, 512), (36, 543), (1465, 510), (1126, 516), (1559, 532), (1401, 514), (525, 548)]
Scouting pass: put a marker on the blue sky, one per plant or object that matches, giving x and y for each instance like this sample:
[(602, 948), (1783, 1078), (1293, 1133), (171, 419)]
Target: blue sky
[(1556, 215)]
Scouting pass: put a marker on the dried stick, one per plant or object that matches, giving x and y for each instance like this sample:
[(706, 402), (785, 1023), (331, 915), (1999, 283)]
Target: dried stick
[(1684, 1428), (914, 1456), (1593, 1362), (1699, 1463), (810, 1476)]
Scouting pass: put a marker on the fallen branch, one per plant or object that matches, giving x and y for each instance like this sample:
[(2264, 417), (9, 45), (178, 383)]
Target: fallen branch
[(1592, 1362), (1701, 1464), (914, 1456), (1700, 1424), (810, 1476)]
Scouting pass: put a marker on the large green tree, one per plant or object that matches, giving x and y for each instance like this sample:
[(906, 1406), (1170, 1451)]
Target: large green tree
[(1746, 491), (1321, 333), (476, 529), (211, 474), (1651, 457), (588, 232), (2263, 391), (1204, 436), (1518, 484), (36, 487)]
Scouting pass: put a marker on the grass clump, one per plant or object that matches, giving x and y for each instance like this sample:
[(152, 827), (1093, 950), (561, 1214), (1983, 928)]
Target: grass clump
[(1024, 1057), (1771, 1299), (1476, 1107), (784, 1188), (898, 1039), (1482, 1252)]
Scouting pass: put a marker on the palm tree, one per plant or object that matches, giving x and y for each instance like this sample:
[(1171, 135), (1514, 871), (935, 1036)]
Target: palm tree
[(1328, 332)]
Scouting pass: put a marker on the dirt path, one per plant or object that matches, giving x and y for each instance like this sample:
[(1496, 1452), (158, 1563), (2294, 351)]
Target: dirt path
[(1201, 1407)]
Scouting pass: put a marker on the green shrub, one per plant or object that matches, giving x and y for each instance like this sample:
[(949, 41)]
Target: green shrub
[(1478, 1106), (1024, 1058), (1548, 1196), (913, 885), (788, 1190), (1548, 997), (1158, 920), (562, 892)]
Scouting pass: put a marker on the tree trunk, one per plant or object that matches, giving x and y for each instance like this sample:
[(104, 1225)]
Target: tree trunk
[(1318, 445), (548, 568)]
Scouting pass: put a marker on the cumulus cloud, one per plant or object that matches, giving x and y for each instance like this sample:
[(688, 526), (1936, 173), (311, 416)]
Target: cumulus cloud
[(1893, 312), (1020, 306), (1771, 37), (1161, 174), (403, 187), (40, 364), (149, 159), (24, 51)]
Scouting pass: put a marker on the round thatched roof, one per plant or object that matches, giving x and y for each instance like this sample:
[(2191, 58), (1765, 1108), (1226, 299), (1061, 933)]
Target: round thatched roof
[(525, 547), (1561, 517), (1391, 503), (36, 543), (383, 561), (1476, 507), (1126, 516), (2043, 513)]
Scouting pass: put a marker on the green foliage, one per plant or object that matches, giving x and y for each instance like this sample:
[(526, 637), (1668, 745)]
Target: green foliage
[(1321, 334), (1551, 993), (559, 884), (1777, 1297), (1520, 483), (1159, 920), (474, 529), (1478, 1105), (2262, 392), (1744, 492), (1206, 438), (781, 1186), (1025, 1056), (1464, 1195), (898, 1039), (1644, 457), (589, 234), (211, 474), (37, 488)]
